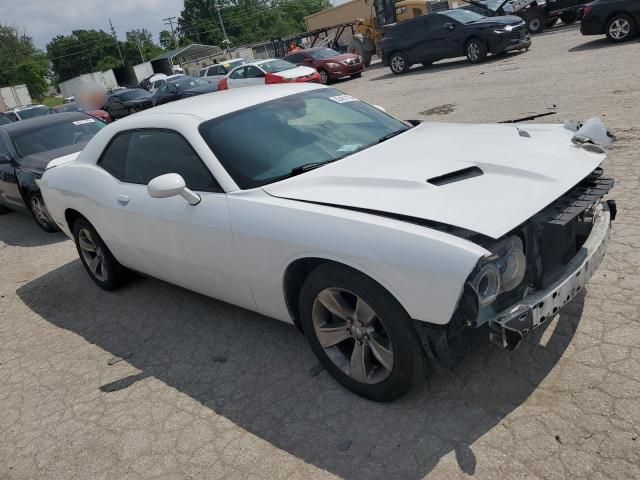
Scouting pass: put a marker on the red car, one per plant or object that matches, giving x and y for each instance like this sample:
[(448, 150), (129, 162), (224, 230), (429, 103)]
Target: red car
[(331, 65), (75, 107)]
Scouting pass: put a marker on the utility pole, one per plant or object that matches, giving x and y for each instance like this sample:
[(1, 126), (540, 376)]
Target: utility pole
[(224, 32), (169, 21), (113, 32), (140, 50)]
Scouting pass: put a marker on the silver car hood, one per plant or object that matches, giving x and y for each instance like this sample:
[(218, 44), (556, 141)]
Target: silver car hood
[(496, 176)]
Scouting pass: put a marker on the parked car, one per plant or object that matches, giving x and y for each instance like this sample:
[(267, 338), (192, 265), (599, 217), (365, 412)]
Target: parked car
[(537, 15), (25, 150), (344, 229), (182, 87), (26, 112), (267, 72), (619, 20), (76, 107), (4, 119), (68, 100), (133, 100), (331, 65), (149, 83), (215, 73), (163, 81), (450, 34), (118, 89)]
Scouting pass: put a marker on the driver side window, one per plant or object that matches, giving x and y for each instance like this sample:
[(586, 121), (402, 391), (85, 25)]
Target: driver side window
[(238, 74), (141, 155), (253, 72)]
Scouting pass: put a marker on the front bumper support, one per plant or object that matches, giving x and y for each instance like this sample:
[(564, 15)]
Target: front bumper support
[(510, 326)]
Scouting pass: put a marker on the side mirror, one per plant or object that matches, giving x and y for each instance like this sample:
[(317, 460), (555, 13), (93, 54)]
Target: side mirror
[(4, 159), (171, 185), (308, 60), (380, 107)]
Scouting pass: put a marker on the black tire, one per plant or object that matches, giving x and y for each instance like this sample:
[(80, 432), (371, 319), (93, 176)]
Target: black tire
[(40, 213), (536, 24), (324, 77), (620, 20), (357, 47), (409, 360), (551, 22), (114, 274), (476, 50), (398, 63), (569, 17)]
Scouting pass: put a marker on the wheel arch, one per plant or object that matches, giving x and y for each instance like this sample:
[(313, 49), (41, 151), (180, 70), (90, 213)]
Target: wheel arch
[(619, 12), (299, 269), (71, 216)]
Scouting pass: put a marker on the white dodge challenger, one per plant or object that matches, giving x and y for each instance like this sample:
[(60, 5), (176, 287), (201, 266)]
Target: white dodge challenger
[(380, 239)]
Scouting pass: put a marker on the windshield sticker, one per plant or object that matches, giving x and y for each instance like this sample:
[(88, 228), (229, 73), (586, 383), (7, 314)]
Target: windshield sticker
[(343, 98), (82, 122), (349, 148)]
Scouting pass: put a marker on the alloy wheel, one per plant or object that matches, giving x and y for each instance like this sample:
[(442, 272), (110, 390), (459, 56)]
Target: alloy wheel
[(324, 77), (40, 211), (473, 51), (619, 29), (352, 335), (397, 64), (92, 254)]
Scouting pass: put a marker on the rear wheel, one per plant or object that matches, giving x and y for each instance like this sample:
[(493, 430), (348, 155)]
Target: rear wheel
[(476, 50), (41, 214), (360, 333), (536, 24), (398, 63), (98, 261), (324, 77), (620, 28)]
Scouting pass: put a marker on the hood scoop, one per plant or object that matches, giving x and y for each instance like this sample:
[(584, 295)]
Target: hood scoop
[(457, 176)]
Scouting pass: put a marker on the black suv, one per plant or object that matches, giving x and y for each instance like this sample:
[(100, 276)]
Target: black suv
[(450, 34), (538, 15)]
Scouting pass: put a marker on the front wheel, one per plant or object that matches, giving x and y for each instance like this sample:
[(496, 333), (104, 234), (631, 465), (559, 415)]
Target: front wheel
[(476, 50), (324, 77), (398, 63), (360, 333), (41, 214), (620, 28), (98, 261)]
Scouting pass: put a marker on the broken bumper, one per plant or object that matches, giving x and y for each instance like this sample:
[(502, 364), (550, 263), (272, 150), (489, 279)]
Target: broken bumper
[(510, 326)]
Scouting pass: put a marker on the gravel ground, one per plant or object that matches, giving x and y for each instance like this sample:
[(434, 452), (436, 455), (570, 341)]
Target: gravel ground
[(156, 382)]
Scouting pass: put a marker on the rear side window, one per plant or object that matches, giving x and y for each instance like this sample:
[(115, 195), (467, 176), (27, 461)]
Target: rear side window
[(140, 156)]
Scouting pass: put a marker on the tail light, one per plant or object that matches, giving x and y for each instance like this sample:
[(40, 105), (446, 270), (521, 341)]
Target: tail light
[(587, 10), (223, 85), (271, 78)]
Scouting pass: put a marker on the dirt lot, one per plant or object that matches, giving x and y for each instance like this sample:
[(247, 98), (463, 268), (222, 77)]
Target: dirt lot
[(202, 389)]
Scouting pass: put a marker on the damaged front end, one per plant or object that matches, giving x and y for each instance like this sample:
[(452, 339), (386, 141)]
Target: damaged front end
[(553, 256)]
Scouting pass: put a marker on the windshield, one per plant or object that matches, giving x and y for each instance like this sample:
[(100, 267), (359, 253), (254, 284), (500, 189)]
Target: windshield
[(323, 53), (70, 107), (493, 5), (32, 112), (311, 127), (133, 94), (462, 15), (184, 83), (275, 66), (56, 136)]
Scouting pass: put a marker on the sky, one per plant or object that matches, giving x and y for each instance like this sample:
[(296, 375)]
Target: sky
[(44, 19)]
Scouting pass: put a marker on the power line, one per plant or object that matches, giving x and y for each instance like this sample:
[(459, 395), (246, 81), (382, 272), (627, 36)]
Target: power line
[(169, 21), (115, 37)]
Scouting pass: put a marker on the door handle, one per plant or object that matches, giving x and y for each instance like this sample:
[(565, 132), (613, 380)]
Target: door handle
[(123, 199)]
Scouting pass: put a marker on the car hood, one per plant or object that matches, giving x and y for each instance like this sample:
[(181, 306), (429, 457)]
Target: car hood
[(296, 72), (496, 176), (200, 89), (338, 58), (38, 162), (136, 101), (498, 20)]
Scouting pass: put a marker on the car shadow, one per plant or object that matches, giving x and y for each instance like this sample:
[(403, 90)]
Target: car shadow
[(259, 374), (20, 230), (451, 64), (600, 43)]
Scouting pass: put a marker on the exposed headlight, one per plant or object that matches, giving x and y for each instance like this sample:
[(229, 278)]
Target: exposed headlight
[(503, 272), (506, 28)]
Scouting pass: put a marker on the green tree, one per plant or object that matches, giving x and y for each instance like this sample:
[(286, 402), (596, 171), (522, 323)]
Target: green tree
[(21, 62), (166, 40), (108, 63), (139, 46)]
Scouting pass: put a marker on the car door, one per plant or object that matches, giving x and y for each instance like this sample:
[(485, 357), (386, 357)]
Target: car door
[(237, 77), (442, 37), (167, 238), (115, 107), (254, 76), (9, 189)]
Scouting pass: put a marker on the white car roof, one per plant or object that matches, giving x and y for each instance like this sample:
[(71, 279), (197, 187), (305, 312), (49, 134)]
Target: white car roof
[(206, 107)]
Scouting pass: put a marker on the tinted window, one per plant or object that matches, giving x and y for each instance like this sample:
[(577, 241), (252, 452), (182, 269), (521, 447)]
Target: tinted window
[(56, 136), (158, 84), (238, 74), (295, 58), (317, 126), (184, 83), (217, 70), (323, 53), (140, 156), (12, 116), (275, 66), (33, 112)]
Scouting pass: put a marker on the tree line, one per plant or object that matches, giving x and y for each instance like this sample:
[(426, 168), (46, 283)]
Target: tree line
[(86, 51)]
